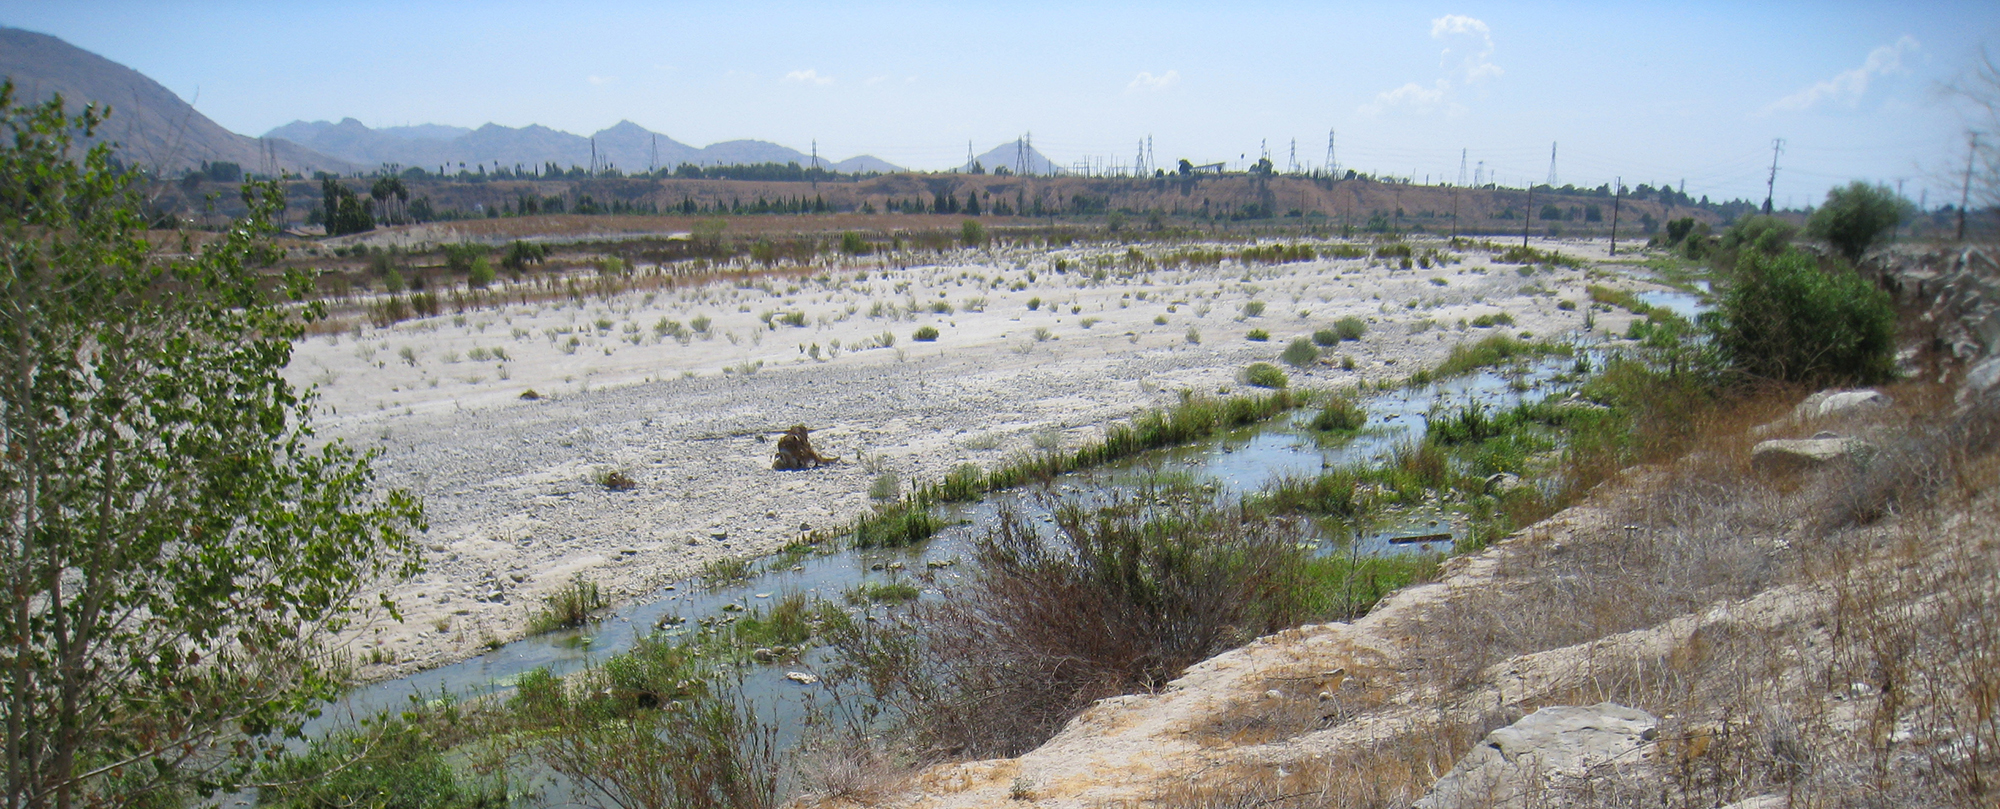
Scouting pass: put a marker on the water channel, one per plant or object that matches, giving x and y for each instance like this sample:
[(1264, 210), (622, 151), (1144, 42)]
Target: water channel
[(1237, 463)]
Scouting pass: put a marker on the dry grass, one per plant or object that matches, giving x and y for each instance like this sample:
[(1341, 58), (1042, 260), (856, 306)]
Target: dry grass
[(1832, 637)]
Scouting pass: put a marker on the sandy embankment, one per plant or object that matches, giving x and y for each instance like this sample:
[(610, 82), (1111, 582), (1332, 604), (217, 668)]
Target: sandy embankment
[(508, 483)]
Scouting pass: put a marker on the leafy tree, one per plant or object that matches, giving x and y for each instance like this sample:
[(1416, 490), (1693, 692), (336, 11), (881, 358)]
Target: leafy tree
[(1785, 319), (972, 203), (1186, 167), (174, 540), (1263, 168), (343, 211), (972, 233), (1767, 235), (1855, 216)]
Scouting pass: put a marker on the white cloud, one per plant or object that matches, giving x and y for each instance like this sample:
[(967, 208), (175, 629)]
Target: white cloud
[(808, 76), (1467, 59), (1148, 82), (1849, 85), (1411, 95), (602, 80), (1471, 40)]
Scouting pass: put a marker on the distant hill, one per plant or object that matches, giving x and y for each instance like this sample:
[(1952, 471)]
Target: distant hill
[(149, 124), (1009, 153), (626, 145)]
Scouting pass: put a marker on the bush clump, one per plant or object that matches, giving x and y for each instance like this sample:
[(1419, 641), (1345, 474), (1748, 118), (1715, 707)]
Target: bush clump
[(1786, 319), (1856, 216), (1340, 414), (1300, 353), (925, 334), (1265, 375)]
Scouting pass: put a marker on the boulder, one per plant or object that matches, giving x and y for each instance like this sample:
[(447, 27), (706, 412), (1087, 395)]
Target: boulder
[(1982, 381), (1787, 455), (1836, 402), (1550, 752)]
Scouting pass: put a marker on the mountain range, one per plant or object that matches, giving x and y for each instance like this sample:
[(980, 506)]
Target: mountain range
[(149, 124), (626, 145), (152, 126)]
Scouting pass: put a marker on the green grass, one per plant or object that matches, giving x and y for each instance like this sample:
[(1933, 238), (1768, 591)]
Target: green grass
[(575, 605), (1340, 414), (925, 334), (1300, 354), (882, 592), (1494, 350)]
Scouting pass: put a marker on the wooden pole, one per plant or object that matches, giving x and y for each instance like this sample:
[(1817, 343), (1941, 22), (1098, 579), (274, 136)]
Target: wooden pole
[(1617, 196)]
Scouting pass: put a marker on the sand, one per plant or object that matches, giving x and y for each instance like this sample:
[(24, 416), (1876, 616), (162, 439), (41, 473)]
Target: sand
[(510, 484)]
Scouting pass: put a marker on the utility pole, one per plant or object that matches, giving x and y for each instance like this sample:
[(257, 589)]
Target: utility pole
[(815, 172), (593, 156), (1965, 194), (1552, 164), (1454, 214), (1528, 221), (1618, 196), (656, 152), (1771, 185)]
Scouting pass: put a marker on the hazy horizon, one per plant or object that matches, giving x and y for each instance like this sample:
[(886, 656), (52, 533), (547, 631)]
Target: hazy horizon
[(1694, 93)]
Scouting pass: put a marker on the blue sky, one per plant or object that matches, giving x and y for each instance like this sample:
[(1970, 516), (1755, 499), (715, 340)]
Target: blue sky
[(1651, 92)]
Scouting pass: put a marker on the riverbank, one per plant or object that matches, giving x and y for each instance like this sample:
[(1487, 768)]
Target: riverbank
[(512, 484)]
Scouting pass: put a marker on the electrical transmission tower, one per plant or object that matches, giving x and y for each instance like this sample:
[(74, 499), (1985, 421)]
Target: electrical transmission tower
[(1461, 165), (1139, 162), (1771, 185), (1151, 166), (1552, 164), (1330, 164), (1294, 167)]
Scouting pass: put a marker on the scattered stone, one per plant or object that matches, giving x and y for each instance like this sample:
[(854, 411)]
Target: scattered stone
[(801, 677), (718, 535), (1555, 749), (1836, 402), (530, 395), (1787, 455), (763, 655), (1503, 483)]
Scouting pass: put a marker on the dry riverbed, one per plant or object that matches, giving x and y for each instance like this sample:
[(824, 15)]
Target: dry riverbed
[(691, 416)]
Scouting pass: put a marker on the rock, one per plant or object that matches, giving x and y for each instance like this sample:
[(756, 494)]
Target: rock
[(1551, 750), (1836, 402), (802, 677), (1982, 381), (763, 655), (1503, 483), (1786, 455)]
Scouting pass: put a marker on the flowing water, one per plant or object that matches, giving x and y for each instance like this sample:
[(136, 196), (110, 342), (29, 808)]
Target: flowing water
[(1239, 462)]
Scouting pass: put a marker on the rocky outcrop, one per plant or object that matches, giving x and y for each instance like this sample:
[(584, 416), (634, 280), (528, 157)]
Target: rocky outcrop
[(1834, 402), (1957, 288), (1788, 455), (1556, 751)]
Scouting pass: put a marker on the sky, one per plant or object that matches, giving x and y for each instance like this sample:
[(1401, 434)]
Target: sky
[(1685, 92)]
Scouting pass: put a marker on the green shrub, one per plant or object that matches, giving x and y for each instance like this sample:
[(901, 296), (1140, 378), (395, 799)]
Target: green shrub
[(1326, 337), (885, 487), (1768, 235), (1350, 327), (1341, 414), (1253, 309), (1034, 304), (853, 244), (1301, 353), (882, 592), (972, 233), (396, 765), (1856, 216), (1785, 319), (1264, 375), (1489, 321), (1258, 336), (572, 606), (925, 334)]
